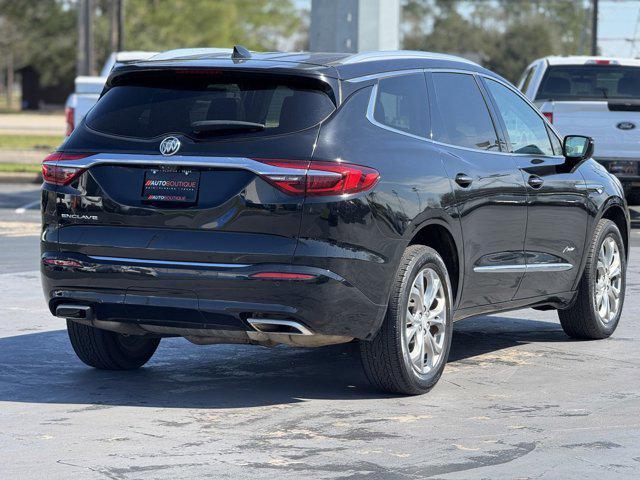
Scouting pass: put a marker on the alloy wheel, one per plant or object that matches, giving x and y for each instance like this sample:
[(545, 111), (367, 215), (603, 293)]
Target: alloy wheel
[(608, 281), (426, 317)]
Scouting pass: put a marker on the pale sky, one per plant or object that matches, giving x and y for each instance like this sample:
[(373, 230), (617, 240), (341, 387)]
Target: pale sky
[(618, 22)]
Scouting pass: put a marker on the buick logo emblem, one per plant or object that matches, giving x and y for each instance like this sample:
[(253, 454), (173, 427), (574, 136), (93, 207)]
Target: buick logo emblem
[(169, 146), (626, 125)]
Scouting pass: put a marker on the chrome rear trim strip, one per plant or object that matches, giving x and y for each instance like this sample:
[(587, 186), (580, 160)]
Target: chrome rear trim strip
[(534, 267), (243, 163), (143, 261)]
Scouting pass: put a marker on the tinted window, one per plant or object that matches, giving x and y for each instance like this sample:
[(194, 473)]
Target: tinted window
[(465, 120), (590, 82), (402, 104), (526, 129), (147, 106), (555, 142)]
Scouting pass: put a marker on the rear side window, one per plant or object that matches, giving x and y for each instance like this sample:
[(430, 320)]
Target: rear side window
[(590, 83), (402, 104), (213, 104), (464, 117)]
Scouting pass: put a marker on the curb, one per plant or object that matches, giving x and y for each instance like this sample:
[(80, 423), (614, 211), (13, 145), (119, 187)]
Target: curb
[(20, 177)]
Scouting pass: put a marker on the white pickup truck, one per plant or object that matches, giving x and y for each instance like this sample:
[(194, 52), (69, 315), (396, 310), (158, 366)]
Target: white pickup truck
[(88, 89), (594, 96)]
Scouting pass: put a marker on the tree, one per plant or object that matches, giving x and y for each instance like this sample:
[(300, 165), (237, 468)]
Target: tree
[(167, 24), (42, 35), (503, 35)]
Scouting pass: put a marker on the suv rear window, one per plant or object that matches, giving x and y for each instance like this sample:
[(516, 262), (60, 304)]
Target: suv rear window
[(590, 83), (206, 104)]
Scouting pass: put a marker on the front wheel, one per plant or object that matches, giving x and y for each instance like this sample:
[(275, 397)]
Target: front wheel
[(409, 352), (110, 350), (598, 306)]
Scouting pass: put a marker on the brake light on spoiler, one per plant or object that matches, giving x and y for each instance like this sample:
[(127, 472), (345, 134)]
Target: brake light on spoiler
[(60, 175), (601, 61), (320, 178)]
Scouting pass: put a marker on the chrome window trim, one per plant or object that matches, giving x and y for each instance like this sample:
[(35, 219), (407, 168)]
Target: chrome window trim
[(378, 76), (534, 267), (143, 261)]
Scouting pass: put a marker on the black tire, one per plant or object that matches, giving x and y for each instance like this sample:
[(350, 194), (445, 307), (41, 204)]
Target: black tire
[(581, 320), (110, 350), (385, 362)]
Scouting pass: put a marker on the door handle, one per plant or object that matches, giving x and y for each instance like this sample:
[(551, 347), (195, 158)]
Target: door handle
[(535, 181), (463, 180)]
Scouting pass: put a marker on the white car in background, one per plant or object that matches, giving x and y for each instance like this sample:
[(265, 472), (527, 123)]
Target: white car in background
[(88, 89), (594, 96)]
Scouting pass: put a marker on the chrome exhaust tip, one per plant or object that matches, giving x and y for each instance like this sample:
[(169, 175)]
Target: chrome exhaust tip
[(273, 326), (75, 312)]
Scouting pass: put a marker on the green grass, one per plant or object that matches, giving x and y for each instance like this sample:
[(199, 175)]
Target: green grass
[(19, 168), (30, 142)]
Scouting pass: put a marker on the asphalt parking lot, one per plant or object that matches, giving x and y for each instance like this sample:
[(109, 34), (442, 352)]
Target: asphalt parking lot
[(518, 399)]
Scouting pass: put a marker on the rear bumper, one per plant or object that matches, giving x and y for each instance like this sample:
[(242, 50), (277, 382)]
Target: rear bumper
[(207, 295)]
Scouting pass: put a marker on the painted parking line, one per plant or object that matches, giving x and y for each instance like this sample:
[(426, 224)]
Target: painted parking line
[(19, 229)]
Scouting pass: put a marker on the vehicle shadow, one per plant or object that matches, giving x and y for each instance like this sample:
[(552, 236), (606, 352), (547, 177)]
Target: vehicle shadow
[(42, 368)]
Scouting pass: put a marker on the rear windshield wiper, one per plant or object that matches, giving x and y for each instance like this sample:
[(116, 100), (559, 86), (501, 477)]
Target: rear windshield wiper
[(214, 126)]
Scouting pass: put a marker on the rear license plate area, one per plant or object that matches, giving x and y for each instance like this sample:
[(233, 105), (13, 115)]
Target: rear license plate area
[(171, 186)]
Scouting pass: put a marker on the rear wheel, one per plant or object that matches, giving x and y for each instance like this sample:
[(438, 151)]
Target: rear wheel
[(409, 352), (598, 306), (110, 350)]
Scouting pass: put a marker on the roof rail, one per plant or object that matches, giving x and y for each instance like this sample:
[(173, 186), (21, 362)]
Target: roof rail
[(398, 54)]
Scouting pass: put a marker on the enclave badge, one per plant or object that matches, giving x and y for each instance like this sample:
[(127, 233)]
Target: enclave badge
[(169, 146)]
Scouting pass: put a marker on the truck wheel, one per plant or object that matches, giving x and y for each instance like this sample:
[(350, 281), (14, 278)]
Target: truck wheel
[(409, 352), (597, 308), (110, 350)]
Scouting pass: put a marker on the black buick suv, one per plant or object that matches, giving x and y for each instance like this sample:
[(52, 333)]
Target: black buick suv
[(313, 199)]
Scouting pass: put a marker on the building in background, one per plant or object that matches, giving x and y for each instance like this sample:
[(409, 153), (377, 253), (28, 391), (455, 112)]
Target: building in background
[(354, 25)]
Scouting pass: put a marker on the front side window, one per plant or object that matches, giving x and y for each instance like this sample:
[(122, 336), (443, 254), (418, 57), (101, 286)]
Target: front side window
[(402, 104), (465, 119), (526, 129)]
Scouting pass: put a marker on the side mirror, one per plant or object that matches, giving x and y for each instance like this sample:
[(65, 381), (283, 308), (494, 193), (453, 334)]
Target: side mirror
[(576, 149)]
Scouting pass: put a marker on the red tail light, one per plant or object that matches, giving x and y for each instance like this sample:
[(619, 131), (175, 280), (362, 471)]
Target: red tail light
[(69, 113), (59, 175), (548, 116), (57, 262), (320, 178)]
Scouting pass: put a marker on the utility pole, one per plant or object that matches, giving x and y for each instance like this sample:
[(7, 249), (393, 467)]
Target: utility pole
[(116, 33), (594, 27), (10, 78), (85, 63)]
